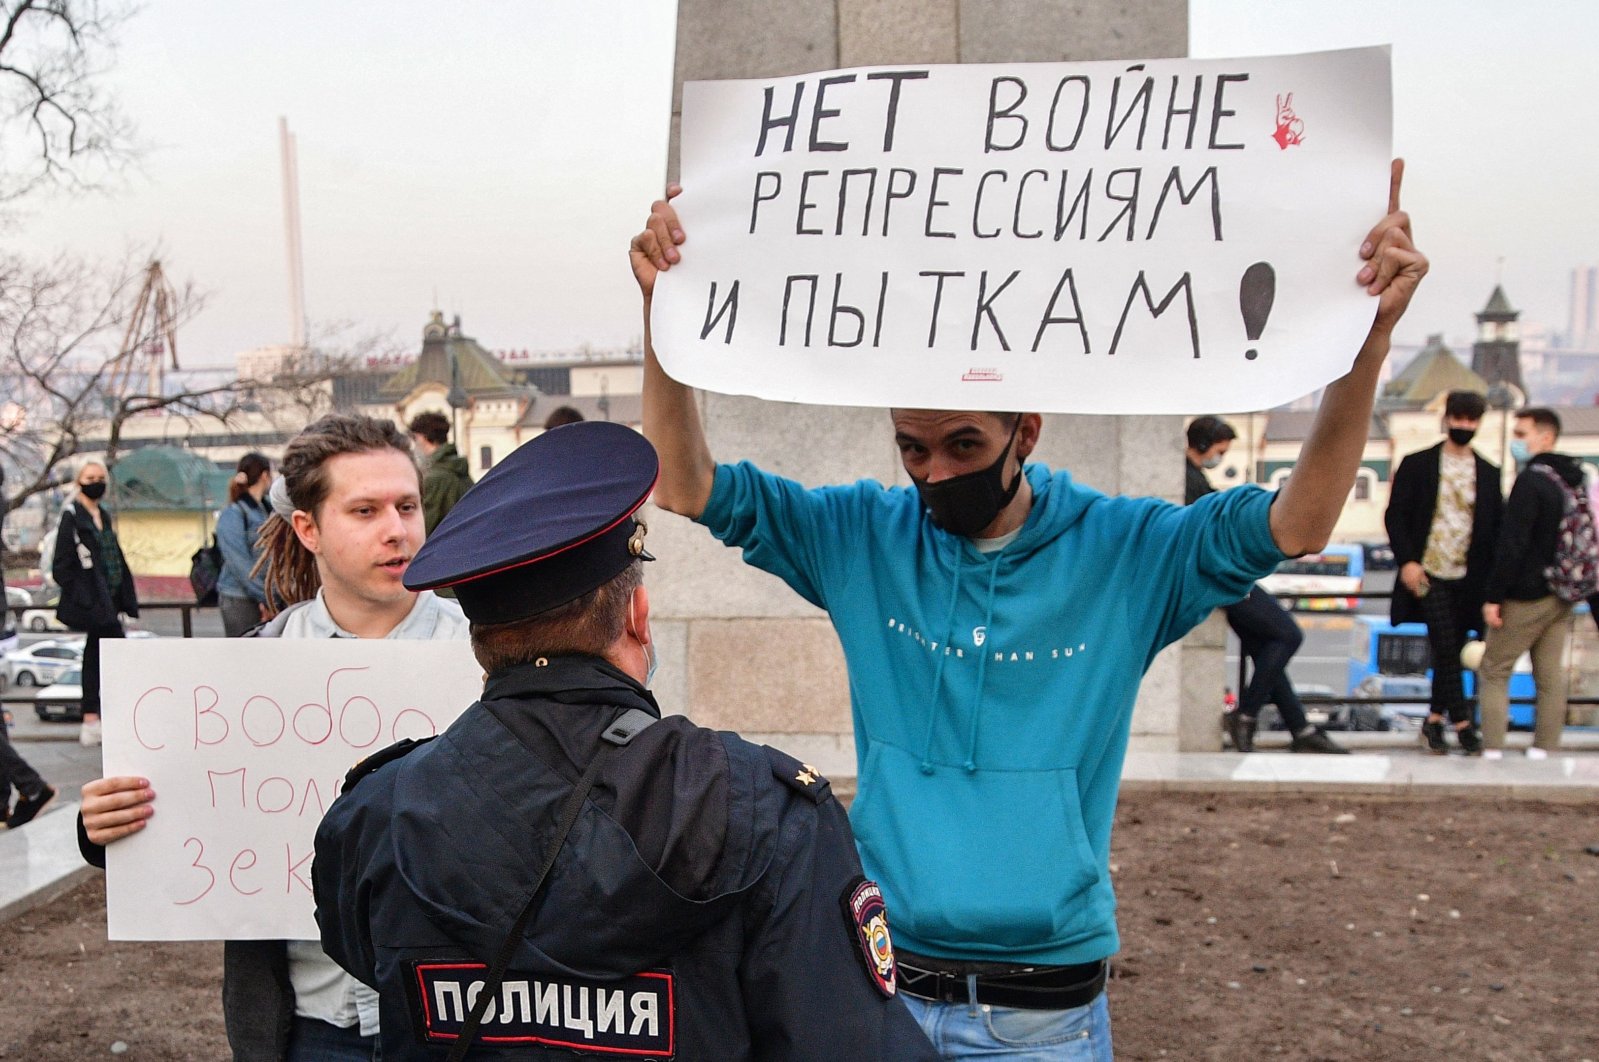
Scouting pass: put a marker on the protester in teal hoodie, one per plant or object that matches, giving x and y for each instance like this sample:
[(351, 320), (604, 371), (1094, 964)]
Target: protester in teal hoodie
[(996, 622), (972, 691)]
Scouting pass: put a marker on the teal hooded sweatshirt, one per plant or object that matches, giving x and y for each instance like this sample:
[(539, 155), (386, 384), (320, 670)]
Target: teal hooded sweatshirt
[(992, 694)]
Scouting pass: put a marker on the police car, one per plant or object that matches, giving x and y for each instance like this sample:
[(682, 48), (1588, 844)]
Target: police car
[(42, 662)]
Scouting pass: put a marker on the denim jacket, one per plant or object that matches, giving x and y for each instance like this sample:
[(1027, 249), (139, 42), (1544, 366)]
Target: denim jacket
[(237, 530)]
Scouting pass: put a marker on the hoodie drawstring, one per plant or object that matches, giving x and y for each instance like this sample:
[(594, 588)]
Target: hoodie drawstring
[(938, 669), (982, 666)]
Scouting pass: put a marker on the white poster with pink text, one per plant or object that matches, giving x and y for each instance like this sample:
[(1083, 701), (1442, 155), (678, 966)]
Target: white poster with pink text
[(246, 742), (1166, 236)]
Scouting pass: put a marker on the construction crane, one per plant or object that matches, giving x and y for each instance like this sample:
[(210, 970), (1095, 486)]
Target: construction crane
[(151, 334)]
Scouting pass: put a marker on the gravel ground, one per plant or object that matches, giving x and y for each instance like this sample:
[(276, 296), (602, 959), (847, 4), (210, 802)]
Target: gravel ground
[(1252, 926)]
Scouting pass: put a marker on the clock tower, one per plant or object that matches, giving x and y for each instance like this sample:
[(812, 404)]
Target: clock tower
[(1496, 355)]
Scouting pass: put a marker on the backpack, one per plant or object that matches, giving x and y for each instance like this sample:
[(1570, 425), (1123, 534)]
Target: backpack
[(1574, 575), (205, 570)]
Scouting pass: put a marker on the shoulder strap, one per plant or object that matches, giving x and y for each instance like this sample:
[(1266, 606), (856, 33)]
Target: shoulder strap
[(800, 777), (627, 727), (1573, 497)]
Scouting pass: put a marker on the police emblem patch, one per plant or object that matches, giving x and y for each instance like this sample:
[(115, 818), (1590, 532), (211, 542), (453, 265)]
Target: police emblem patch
[(868, 920)]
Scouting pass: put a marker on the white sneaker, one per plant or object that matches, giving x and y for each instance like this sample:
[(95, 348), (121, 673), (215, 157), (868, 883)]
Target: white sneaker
[(89, 734), (1535, 753), (1493, 754)]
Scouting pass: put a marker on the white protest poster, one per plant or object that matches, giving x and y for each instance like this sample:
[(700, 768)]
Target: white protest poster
[(246, 742), (1166, 236)]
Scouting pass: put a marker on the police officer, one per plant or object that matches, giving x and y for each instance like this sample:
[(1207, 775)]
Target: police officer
[(563, 869)]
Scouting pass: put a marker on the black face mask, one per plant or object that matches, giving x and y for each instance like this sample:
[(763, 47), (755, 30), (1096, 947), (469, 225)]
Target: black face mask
[(1462, 436), (964, 505), (94, 491)]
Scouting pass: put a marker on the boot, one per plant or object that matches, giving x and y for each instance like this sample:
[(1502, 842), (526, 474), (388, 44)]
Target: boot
[(1316, 740), (1241, 730), (1432, 733)]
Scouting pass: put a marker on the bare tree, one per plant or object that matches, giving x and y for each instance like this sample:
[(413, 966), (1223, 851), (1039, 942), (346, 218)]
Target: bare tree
[(72, 360), (58, 124)]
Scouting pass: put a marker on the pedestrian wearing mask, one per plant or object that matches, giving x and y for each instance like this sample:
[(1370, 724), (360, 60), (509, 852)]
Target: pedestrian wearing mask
[(1526, 611), (96, 585), (1268, 637), (1443, 521)]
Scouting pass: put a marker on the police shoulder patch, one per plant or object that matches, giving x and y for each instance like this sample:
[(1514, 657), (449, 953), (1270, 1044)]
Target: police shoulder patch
[(379, 758), (867, 916), (800, 777)]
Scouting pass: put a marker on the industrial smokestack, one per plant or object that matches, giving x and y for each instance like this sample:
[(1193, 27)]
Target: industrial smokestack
[(291, 225)]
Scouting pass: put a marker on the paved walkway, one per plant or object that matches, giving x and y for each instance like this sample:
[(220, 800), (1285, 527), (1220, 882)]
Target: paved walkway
[(1569, 776), (40, 860)]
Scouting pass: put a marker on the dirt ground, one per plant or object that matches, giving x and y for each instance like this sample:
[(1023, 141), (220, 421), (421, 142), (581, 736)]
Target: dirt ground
[(1285, 927)]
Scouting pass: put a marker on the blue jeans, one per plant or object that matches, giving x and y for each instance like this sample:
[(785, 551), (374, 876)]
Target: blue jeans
[(979, 1031)]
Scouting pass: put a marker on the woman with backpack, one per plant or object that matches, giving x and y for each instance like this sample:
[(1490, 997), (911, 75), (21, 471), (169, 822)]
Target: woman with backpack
[(96, 585), (241, 590)]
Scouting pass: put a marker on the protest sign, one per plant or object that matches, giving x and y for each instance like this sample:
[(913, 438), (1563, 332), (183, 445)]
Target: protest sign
[(1163, 236), (245, 743)]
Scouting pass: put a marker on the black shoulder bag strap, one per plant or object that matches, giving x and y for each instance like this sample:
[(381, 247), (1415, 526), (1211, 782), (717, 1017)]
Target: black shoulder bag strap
[(617, 735)]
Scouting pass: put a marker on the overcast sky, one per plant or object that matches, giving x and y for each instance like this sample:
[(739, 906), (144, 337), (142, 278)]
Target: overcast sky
[(497, 154), (1496, 112), (492, 158)]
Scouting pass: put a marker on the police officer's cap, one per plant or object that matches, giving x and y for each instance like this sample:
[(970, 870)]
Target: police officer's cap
[(545, 526)]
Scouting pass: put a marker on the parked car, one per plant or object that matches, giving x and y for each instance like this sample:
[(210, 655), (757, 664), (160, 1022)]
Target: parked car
[(1379, 556), (1318, 713), (1334, 714), (62, 699), (43, 618), (1407, 716), (16, 597), (42, 663)]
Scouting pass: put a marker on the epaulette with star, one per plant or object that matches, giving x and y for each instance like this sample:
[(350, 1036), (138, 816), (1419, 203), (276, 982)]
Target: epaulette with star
[(379, 758), (800, 777)]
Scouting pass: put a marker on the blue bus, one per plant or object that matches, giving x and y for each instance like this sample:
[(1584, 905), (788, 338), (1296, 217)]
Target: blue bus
[(1396, 661), (1335, 574)]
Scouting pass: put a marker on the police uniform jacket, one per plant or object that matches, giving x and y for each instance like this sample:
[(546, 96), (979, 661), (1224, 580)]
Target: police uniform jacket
[(707, 904)]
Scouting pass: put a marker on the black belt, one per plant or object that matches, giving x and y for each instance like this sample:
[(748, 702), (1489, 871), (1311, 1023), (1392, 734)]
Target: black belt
[(1024, 987)]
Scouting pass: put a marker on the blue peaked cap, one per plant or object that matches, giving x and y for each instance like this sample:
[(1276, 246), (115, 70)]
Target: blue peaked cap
[(551, 522)]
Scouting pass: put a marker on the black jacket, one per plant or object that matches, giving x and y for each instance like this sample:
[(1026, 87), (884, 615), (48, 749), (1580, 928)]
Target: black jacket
[(1195, 483), (1412, 501), (1531, 525), (697, 909), (86, 598)]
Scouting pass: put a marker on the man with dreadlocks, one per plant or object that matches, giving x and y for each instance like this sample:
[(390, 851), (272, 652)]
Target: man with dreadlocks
[(346, 521)]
